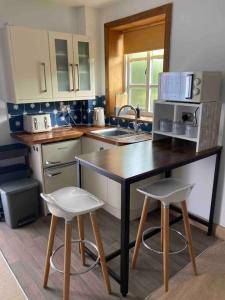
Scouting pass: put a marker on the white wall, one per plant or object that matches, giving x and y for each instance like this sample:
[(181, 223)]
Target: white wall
[(41, 14), (197, 43)]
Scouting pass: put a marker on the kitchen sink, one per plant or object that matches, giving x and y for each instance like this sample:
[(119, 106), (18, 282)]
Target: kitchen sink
[(114, 132)]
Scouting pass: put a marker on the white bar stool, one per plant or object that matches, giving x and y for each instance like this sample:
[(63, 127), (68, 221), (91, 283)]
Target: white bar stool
[(68, 203), (167, 191)]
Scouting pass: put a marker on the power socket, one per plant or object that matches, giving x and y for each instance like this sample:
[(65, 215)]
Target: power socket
[(65, 108), (187, 116)]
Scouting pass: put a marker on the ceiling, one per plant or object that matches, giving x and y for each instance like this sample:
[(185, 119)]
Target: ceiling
[(91, 3)]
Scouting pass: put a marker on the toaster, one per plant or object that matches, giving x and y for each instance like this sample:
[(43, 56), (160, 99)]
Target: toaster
[(37, 123)]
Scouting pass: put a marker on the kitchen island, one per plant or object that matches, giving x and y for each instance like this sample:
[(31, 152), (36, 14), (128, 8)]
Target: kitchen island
[(132, 163)]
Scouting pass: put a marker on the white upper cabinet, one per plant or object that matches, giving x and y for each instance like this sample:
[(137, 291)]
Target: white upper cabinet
[(47, 66), (72, 65), (28, 65), (62, 64), (84, 66)]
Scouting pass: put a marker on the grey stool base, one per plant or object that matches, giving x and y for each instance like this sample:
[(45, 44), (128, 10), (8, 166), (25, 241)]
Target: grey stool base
[(180, 236), (75, 242)]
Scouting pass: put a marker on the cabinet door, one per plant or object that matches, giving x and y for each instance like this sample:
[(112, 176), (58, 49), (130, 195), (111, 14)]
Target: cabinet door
[(57, 178), (60, 152), (30, 63), (92, 181), (62, 64), (84, 66)]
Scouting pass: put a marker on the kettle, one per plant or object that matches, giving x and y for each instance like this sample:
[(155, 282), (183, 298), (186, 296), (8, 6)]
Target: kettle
[(99, 117)]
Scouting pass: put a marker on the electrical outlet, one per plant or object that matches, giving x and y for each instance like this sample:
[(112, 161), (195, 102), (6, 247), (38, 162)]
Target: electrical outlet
[(187, 116)]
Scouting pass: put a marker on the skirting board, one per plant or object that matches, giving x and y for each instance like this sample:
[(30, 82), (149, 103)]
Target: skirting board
[(219, 231)]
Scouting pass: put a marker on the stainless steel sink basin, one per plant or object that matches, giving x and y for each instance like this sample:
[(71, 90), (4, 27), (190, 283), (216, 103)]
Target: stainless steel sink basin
[(114, 132)]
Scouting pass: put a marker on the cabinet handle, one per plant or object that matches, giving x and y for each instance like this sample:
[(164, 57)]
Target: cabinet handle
[(35, 124), (52, 162), (45, 79), (77, 76), (71, 82), (53, 174)]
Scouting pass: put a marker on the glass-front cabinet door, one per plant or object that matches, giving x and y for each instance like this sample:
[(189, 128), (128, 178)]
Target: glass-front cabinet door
[(84, 66), (62, 65)]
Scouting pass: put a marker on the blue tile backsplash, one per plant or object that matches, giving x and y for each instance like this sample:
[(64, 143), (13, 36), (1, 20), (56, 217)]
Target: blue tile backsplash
[(81, 112)]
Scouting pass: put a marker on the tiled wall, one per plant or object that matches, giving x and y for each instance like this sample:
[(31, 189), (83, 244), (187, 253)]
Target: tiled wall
[(81, 112)]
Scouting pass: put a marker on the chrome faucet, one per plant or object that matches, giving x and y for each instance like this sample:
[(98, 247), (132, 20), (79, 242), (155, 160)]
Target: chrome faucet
[(135, 123)]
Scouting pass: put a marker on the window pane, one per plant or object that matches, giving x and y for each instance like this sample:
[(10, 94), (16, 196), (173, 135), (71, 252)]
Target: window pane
[(157, 52), (153, 96), (156, 68), (138, 55), (138, 97), (62, 65), (138, 72)]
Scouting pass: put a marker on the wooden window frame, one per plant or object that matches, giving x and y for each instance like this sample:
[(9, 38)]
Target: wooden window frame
[(110, 33)]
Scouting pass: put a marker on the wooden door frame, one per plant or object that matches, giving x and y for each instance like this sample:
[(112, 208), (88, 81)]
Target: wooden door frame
[(164, 9)]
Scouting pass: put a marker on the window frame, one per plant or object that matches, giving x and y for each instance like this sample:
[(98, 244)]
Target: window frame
[(128, 86)]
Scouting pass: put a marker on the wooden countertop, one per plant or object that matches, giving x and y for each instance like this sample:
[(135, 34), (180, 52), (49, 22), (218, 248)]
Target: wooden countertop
[(61, 134), (138, 161)]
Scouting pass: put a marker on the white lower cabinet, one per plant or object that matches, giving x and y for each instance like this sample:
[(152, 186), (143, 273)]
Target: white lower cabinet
[(54, 166), (108, 190), (92, 181), (59, 177)]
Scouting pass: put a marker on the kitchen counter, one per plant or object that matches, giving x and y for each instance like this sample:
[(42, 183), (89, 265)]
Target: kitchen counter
[(132, 163), (135, 161), (61, 134)]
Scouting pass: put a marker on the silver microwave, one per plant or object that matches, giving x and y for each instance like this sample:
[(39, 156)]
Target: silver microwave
[(202, 86)]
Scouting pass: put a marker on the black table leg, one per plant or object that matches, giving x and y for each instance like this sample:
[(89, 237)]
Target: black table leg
[(213, 199), (125, 238), (78, 174)]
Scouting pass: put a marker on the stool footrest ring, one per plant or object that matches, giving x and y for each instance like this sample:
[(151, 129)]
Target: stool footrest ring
[(75, 242), (180, 235)]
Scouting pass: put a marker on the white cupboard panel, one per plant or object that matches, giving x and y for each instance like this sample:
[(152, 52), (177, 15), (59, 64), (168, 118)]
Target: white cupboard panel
[(92, 181), (59, 177), (61, 152), (136, 198), (29, 51), (62, 64), (84, 66)]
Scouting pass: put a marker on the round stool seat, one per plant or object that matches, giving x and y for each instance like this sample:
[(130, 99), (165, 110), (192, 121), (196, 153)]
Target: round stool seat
[(168, 190), (70, 202)]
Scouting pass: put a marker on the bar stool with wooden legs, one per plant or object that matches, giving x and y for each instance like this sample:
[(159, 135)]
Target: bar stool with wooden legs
[(68, 203), (167, 191)]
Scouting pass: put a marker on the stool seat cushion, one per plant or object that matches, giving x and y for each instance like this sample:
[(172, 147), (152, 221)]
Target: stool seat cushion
[(69, 202), (168, 190)]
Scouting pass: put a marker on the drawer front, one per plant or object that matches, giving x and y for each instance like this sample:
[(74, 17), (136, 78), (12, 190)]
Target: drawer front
[(59, 153), (57, 178)]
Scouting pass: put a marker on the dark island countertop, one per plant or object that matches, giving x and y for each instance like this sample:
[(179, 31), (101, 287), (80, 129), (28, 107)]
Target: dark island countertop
[(141, 160)]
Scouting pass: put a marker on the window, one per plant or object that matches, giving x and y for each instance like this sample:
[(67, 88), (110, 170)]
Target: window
[(142, 70)]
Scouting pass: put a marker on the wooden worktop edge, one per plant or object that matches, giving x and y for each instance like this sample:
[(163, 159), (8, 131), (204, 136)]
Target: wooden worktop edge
[(61, 135)]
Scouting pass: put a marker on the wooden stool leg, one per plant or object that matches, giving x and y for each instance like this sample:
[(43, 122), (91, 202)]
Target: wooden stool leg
[(161, 241), (49, 249), (140, 231), (80, 221), (67, 260), (187, 228), (166, 247), (101, 251)]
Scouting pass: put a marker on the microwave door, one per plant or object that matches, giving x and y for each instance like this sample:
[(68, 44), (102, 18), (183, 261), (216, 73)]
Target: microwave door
[(188, 86)]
